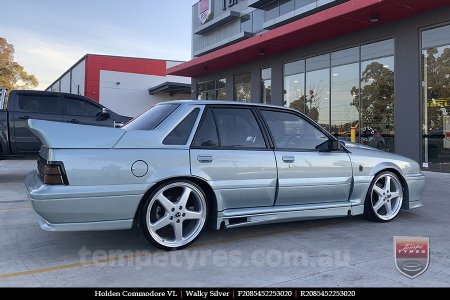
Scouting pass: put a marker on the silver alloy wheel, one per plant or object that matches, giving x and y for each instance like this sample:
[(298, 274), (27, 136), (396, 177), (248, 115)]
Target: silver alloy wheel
[(176, 214), (387, 197)]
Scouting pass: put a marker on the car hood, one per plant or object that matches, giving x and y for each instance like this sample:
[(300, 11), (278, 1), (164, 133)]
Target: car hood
[(350, 146), (57, 135)]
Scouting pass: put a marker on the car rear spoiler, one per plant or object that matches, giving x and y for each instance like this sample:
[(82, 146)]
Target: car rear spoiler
[(3, 98)]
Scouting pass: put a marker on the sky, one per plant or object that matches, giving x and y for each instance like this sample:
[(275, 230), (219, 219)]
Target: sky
[(49, 36)]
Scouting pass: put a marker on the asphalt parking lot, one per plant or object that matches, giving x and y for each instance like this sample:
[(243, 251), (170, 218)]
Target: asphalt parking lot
[(336, 252)]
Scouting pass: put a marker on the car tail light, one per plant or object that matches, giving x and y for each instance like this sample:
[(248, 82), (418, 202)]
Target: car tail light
[(52, 173), (376, 134)]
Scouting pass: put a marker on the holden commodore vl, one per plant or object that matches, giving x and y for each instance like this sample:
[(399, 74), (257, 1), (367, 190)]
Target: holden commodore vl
[(184, 164)]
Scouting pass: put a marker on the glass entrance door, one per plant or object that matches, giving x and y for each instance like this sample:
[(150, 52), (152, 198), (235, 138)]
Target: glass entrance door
[(436, 98)]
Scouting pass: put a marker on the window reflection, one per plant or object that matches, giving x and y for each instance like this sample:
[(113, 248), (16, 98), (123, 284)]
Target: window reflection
[(317, 98), (359, 94), (242, 87), (212, 90), (294, 91), (436, 95), (266, 86), (344, 102), (377, 103)]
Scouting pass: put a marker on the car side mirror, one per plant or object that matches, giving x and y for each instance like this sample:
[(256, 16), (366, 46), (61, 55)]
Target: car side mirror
[(329, 146), (104, 114)]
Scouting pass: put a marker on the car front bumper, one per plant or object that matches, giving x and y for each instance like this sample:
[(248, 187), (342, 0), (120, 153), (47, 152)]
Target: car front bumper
[(416, 186), (82, 208)]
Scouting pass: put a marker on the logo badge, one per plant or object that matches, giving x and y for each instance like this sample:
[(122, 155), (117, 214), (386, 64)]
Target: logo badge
[(412, 255), (205, 11)]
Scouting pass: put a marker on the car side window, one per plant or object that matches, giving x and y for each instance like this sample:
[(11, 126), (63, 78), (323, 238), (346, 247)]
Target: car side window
[(80, 107), (38, 104), (207, 133), (238, 128), (291, 131), (181, 133)]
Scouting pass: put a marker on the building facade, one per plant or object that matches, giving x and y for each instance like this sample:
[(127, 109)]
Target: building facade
[(379, 66), (128, 86)]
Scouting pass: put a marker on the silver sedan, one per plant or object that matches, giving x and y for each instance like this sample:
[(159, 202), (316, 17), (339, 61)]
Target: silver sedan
[(185, 164)]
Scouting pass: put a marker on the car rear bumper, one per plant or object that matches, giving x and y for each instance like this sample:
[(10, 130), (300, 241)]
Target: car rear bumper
[(81, 208), (416, 186)]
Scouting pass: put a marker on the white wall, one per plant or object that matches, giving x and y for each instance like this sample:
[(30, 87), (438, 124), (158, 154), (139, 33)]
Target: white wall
[(78, 77), (131, 97)]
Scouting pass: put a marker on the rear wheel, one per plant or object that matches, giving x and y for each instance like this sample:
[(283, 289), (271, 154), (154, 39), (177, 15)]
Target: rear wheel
[(174, 215), (384, 198)]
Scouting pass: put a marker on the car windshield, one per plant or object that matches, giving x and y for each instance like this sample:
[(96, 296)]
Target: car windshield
[(151, 118)]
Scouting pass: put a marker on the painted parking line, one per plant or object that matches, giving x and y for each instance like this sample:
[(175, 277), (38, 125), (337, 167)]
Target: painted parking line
[(133, 256), (14, 208)]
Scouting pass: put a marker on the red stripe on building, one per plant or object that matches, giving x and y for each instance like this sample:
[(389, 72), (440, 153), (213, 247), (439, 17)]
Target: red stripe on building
[(96, 63)]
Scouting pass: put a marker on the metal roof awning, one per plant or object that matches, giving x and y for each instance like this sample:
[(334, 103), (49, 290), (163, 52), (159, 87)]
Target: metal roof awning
[(338, 20), (171, 88)]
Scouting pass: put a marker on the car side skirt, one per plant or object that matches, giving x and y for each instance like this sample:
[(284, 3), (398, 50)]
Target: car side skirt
[(232, 218)]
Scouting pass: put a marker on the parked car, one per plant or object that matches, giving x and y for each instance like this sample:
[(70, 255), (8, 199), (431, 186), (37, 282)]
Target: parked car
[(17, 139), (183, 164)]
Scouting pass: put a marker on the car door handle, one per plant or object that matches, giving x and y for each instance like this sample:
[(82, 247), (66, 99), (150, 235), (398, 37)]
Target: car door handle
[(24, 117), (205, 158), (288, 159), (75, 121)]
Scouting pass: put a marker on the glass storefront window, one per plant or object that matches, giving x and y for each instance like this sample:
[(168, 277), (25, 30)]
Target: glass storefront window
[(242, 87), (212, 90), (344, 100), (377, 49), (436, 97), (377, 128), (339, 91), (294, 92), (317, 98), (266, 86)]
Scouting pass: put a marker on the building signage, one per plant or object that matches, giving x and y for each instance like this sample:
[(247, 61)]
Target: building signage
[(205, 11), (229, 3)]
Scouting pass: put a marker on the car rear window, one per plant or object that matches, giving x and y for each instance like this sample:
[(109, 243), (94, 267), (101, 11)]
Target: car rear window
[(152, 117)]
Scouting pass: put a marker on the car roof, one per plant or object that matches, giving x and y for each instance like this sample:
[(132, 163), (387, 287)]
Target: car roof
[(232, 103)]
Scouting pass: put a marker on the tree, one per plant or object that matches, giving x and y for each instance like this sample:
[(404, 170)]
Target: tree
[(12, 74), (437, 67), (377, 96)]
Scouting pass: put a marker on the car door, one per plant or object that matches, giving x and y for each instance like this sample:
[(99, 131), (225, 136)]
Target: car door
[(230, 151), (305, 174), (81, 111), (32, 106)]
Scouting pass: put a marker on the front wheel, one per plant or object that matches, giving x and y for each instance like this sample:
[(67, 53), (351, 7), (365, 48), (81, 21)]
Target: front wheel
[(384, 198), (174, 216)]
